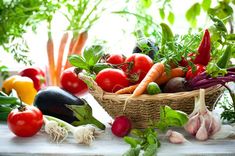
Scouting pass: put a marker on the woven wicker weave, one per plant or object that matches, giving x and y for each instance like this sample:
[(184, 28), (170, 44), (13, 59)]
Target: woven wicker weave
[(146, 107)]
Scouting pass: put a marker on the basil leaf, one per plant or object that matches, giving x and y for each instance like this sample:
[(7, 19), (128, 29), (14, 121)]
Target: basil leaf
[(230, 37), (151, 150), (218, 23), (177, 115), (132, 152), (78, 62), (133, 142), (137, 133), (93, 54)]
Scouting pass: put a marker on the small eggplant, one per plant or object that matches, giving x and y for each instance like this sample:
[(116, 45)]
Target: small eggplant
[(147, 48), (61, 104)]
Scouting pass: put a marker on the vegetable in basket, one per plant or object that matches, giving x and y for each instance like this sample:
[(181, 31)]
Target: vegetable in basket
[(145, 46), (59, 103)]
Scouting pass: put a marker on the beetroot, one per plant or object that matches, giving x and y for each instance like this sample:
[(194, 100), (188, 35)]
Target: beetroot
[(121, 126)]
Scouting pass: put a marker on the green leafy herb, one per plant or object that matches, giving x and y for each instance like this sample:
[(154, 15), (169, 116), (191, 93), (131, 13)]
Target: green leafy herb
[(171, 17), (16, 17), (90, 57), (147, 139)]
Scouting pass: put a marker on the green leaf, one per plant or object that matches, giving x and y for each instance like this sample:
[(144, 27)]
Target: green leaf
[(162, 13), (192, 13), (151, 139), (218, 24), (132, 152), (78, 61), (171, 17), (179, 115), (137, 132), (151, 150), (206, 4), (93, 54), (133, 142), (230, 37), (146, 3)]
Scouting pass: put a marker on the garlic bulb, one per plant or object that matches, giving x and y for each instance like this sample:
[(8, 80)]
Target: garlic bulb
[(202, 122)]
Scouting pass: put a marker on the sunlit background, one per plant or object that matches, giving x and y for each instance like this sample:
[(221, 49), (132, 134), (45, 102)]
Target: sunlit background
[(112, 28)]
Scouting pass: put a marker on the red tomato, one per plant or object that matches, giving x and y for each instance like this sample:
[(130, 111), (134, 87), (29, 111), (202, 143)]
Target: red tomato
[(36, 74), (111, 80), (71, 82), (116, 59), (140, 67), (199, 69), (25, 121)]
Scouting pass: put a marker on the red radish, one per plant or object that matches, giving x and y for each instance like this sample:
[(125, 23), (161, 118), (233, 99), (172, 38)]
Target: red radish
[(121, 126)]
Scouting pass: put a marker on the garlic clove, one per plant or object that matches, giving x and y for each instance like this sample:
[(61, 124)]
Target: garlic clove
[(175, 137), (193, 124), (202, 131)]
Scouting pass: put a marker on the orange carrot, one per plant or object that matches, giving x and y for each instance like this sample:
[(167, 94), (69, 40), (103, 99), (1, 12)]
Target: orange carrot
[(77, 49), (154, 73), (127, 90), (78, 45), (51, 62), (176, 72), (60, 56)]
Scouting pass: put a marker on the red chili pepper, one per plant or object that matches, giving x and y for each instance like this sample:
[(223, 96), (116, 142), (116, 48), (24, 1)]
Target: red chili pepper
[(199, 69), (203, 56)]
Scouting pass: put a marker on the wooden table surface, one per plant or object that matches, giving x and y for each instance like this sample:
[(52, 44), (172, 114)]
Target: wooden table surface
[(106, 144)]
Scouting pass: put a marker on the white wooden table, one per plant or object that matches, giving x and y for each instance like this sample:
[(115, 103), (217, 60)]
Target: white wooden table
[(107, 144)]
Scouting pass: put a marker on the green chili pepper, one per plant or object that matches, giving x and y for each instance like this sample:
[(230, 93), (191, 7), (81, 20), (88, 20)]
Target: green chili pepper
[(3, 116), (167, 36), (224, 59), (8, 100)]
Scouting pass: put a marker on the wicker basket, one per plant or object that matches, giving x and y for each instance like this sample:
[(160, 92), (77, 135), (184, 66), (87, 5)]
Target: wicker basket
[(146, 107)]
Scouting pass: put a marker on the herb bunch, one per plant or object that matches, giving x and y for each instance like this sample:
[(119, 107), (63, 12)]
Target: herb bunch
[(147, 140), (16, 17)]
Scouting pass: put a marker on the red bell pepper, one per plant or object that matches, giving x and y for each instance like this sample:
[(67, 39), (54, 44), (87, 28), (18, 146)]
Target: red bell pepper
[(36, 74), (199, 69), (203, 57)]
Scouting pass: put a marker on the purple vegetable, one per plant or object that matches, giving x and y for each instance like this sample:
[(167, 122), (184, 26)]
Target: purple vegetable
[(205, 81)]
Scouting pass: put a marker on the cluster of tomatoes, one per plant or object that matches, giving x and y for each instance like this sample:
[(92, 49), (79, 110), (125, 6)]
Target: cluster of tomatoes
[(131, 71)]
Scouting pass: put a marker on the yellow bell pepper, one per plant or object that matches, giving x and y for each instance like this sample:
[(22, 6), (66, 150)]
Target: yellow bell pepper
[(23, 86), (8, 85)]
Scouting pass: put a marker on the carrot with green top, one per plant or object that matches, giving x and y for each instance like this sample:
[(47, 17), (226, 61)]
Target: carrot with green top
[(127, 90), (176, 72), (154, 73)]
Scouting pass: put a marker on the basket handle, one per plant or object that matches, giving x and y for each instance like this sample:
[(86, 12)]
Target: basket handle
[(92, 85)]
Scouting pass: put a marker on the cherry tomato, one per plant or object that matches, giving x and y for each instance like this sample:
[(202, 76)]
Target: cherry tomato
[(139, 66), (116, 59), (111, 80), (199, 69), (71, 82), (25, 121), (36, 74)]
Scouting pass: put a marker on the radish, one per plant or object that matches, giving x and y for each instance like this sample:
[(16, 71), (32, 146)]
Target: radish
[(121, 126)]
